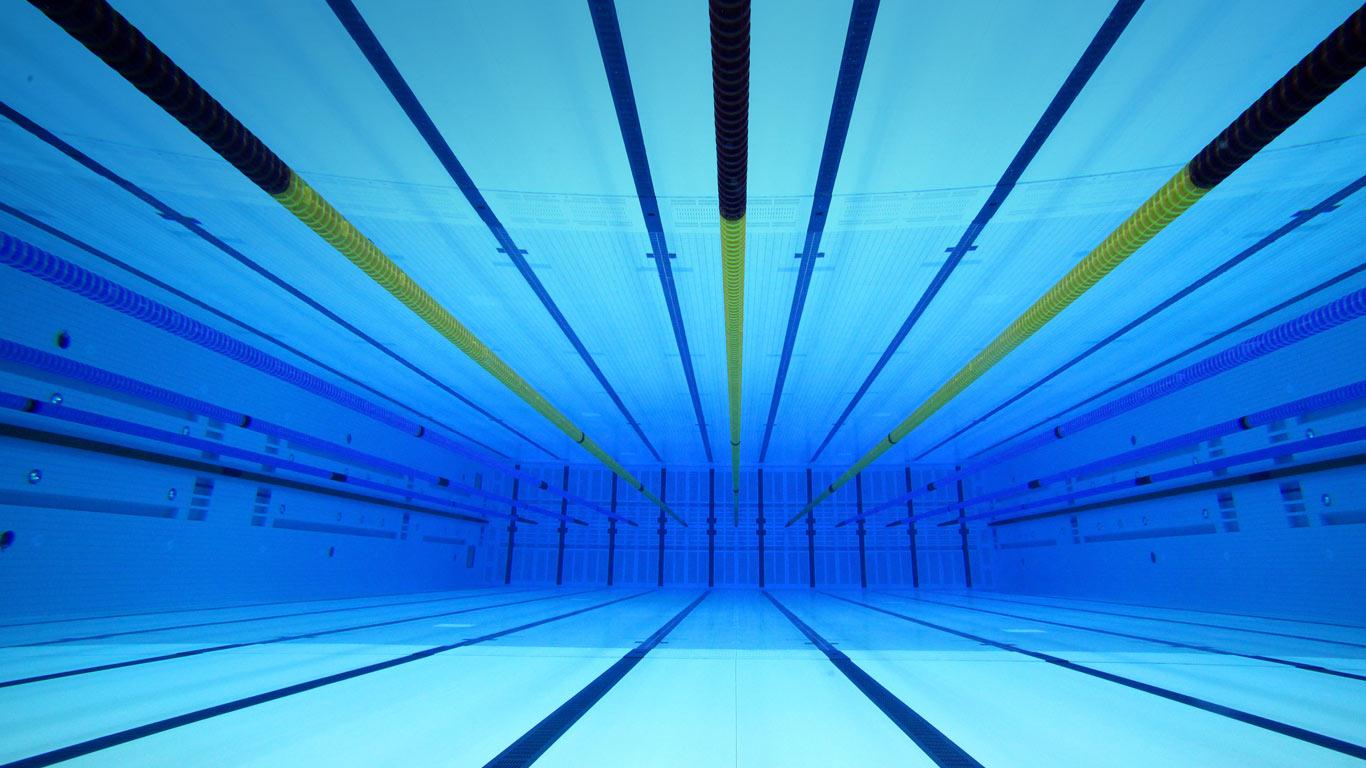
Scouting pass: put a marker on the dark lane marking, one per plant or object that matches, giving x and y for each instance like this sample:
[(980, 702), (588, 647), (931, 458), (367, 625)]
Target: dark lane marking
[(222, 622), (1258, 617), (378, 58), (241, 606), (281, 639), (940, 748), (1347, 643), (1275, 726), (1086, 66), (857, 38), (1146, 639), (527, 749), (89, 746)]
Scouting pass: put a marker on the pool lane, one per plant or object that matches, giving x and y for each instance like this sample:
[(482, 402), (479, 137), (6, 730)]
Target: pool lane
[(112, 628), (1013, 709), (734, 684), (128, 618), (32, 667), (56, 714), (459, 708), (1326, 704), (1234, 617), (532, 744), (24, 660), (1334, 636), (1305, 655)]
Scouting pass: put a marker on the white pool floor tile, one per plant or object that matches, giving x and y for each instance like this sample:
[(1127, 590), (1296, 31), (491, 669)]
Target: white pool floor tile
[(735, 683)]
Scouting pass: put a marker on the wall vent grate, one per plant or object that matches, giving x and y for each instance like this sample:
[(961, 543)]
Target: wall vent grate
[(201, 498)]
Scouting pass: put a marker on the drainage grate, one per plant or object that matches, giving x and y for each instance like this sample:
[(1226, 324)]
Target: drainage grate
[(1292, 496), (1228, 512), (213, 430), (199, 500), (260, 507), (1278, 432)]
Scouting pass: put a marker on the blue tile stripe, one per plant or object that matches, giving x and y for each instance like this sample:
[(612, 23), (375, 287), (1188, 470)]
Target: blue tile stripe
[(932, 741), (1325, 285), (856, 39), (1318, 669), (1299, 219), (280, 638), (191, 224), (234, 320), (384, 67), (534, 743), (89, 746), (1086, 66), (605, 24), (1275, 726)]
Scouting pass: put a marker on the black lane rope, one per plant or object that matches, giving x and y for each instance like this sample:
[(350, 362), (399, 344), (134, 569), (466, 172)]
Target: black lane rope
[(193, 225), (120, 45), (730, 26), (369, 45), (534, 743), (730, 94), (1146, 639), (1091, 59), (1331, 63), (613, 50), (89, 746), (1297, 220), (940, 748), (1275, 726), (1290, 302), (270, 641), (104, 256)]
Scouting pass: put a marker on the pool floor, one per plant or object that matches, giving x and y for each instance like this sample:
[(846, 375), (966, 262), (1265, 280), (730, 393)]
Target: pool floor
[(586, 676)]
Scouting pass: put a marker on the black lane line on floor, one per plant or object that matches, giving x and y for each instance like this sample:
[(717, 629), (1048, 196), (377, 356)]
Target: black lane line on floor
[(270, 641), (240, 606), (1144, 638), (89, 746), (1228, 613), (1346, 643), (527, 749), (246, 620), (940, 748), (1285, 729)]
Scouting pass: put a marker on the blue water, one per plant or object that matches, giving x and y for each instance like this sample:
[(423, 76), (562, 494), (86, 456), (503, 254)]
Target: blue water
[(255, 511)]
